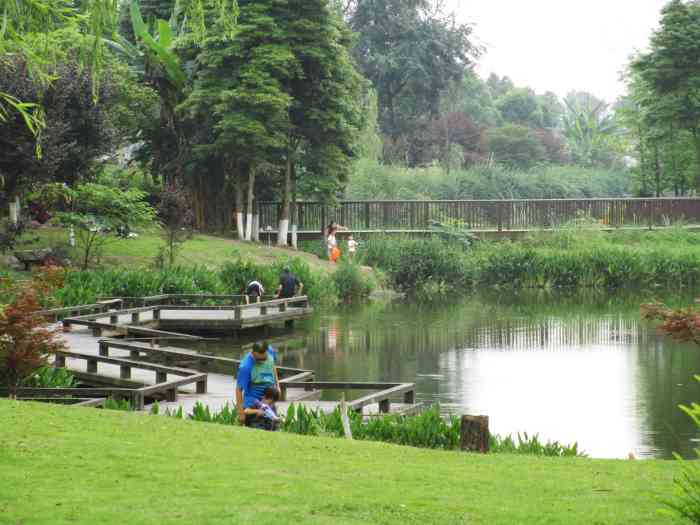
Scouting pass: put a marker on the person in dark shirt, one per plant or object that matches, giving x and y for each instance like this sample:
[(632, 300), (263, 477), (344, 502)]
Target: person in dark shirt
[(288, 285)]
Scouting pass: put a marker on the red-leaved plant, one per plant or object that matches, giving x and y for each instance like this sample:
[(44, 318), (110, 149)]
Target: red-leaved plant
[(25, 340), (683, 324)]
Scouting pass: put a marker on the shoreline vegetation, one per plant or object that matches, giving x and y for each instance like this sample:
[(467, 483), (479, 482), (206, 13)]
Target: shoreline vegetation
[(138, 456), (574, 257), (578, 256)]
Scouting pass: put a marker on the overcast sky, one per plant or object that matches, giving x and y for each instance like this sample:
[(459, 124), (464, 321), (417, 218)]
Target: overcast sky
[(561, 45)]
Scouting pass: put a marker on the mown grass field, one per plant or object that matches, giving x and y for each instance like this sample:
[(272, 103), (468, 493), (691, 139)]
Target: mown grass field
[(61, 465)]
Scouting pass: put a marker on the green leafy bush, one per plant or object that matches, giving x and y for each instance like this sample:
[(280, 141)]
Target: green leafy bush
[(351, 282)]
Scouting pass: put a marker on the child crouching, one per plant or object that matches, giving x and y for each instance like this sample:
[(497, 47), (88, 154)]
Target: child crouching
[(262, 414)]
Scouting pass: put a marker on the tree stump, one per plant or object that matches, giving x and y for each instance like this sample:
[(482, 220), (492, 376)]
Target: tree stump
[(474, 434)]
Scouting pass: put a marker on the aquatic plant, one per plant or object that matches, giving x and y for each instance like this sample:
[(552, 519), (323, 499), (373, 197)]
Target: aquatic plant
[(117, 404), (428, 429), (50, 377)]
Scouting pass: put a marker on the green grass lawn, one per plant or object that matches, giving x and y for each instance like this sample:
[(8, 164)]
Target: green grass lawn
[(87, 466), (206, 250)]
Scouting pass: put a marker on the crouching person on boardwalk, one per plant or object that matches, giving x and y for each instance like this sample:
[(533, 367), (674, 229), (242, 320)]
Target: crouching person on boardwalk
[(256, 374), (253, 291)]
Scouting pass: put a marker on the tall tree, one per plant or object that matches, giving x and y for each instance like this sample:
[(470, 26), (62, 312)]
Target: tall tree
[(410, 53), (670, 69), (590, 129)]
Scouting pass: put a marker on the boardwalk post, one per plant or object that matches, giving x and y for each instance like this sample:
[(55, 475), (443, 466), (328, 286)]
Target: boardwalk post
[(156, 314), (409, 397), (125, 372), (135, 318), (161, 377), (367, 223), (202, 386), (92, 366), (59, 361), (474, 434), (344, 418), (113, 319), (104, 349), (385, 406)]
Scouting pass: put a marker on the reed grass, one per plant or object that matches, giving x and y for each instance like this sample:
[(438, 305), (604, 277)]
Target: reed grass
[(568, 257)]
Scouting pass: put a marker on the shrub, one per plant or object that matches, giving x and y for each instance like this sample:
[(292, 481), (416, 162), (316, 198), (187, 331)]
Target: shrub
[(410, 263), (351, 282), (25, 340)]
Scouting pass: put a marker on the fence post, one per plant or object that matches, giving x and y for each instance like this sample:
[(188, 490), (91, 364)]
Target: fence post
[(499, 216), (367, 222)]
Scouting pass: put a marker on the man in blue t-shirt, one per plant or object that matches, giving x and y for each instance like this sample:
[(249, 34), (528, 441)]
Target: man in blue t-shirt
[(256, 373)]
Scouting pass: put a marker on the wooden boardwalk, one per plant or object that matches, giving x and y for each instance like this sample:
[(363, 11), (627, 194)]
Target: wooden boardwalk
[(163, 319), (119, 364)]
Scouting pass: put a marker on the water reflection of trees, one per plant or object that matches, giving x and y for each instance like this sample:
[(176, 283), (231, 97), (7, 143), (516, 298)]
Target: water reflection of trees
[(404, 342)]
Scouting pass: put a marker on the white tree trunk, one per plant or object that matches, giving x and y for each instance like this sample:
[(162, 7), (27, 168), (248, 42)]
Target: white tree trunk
[(283, 232), (240, 230), (249, 205), (283, 229), (294, 236), (14, 211), (256, 227)]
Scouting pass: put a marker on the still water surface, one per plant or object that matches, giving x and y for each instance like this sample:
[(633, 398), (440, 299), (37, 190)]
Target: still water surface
[(574, 366)]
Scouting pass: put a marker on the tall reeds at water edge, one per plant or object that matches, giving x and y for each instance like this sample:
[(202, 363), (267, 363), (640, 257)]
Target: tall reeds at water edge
[(431, 268)]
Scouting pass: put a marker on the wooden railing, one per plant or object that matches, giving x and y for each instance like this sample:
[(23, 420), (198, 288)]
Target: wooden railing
[(182, 299), (382, 392), (196, 361), (162, 384), (283, 308), (501, 215)]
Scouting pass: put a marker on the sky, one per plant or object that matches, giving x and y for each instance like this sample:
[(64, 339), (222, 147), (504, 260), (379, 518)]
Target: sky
[(560, 45)]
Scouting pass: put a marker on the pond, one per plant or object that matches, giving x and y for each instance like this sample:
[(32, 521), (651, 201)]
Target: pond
[(569, 366)]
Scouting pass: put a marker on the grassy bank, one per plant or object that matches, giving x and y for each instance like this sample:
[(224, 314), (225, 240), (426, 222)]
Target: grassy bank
[(205, 264), (70, 465), (206, 250), (570, 257)]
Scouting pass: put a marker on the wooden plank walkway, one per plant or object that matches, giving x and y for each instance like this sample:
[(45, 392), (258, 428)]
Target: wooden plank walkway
[(220, 386), (147, 320)]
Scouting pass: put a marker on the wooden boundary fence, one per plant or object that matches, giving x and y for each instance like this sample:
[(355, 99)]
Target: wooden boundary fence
[(484, 215)]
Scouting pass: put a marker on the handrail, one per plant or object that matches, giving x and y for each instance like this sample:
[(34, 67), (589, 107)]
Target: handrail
[(137, 396), (105, 344), (382, 395)]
